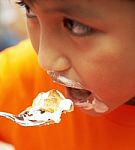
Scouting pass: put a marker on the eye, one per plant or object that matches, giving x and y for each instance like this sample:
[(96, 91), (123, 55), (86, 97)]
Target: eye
[(29, 12), (77, 28)]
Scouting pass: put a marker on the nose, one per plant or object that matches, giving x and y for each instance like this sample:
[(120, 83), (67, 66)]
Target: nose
[(51, 54)]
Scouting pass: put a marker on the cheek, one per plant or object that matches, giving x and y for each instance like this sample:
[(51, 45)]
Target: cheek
[(109, 77), (34, 34)]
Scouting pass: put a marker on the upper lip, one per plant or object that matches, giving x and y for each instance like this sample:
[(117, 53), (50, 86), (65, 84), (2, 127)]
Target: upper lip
[(61, 79)]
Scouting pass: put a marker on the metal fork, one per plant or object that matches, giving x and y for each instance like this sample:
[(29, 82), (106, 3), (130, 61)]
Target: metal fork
[(22, 119)]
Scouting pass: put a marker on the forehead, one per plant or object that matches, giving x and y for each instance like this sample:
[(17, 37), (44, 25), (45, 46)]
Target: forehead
[(84, 8), (80, 3), (56, 1), (76, 7), (33, 1)]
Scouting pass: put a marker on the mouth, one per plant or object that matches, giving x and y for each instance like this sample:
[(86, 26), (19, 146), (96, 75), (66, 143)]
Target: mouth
[(86, 100), (78, 94), (81, 97)]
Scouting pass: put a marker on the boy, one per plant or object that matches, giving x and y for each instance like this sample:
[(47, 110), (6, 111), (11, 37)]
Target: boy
[(90, 43)]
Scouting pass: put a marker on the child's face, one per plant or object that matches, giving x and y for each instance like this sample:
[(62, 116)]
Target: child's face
[(89, 41)]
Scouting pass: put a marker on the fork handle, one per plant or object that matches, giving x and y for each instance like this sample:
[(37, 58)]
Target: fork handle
[(7, 115)]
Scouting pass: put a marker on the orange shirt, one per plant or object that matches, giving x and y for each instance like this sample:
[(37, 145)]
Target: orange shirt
[(21, 79)]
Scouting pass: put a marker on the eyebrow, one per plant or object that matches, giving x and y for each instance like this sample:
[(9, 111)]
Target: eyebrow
[(74, 10), (70, 9), (31, 2)]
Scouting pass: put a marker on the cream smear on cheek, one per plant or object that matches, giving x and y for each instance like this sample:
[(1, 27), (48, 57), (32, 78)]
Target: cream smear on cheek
[(92, 103)]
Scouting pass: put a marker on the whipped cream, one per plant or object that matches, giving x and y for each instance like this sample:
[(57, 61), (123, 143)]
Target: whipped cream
[(61, 79), (96, 105), (48, 107)]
